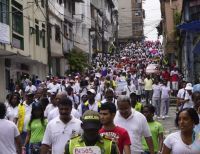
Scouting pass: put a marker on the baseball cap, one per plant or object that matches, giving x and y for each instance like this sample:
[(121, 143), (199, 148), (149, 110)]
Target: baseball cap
[(91, 119)]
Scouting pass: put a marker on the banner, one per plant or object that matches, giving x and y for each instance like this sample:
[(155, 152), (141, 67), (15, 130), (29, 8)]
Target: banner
[(5, 33)]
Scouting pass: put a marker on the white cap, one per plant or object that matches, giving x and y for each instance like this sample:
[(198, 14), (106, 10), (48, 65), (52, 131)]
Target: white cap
[(188, 86)]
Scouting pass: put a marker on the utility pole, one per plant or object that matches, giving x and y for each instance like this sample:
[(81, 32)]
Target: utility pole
[(48, 38)]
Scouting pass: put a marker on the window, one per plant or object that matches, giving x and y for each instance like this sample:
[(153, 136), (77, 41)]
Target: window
[(42, 3), (4, 9), (70, 6), (137, 13), (70, 33), (17, 17), (37, 32), (65, 31), (60, 1), (43, 35), (57, 33), (18, 42)]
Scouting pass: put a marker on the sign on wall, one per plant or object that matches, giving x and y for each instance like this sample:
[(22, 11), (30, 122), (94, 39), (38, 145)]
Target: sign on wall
[(5, 33)]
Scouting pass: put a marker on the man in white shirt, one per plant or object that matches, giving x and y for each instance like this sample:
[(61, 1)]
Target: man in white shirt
[(129, 88), (135, 123), (30, 87), (54, 86), (10, 141), (156, 97), (90, 104), (61, 129)]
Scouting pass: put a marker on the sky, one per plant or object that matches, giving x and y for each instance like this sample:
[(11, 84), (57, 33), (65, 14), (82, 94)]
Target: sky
[(152, 18)]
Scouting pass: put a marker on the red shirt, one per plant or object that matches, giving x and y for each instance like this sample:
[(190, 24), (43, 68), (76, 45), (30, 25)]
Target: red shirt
[(119, 135), (166, 75)]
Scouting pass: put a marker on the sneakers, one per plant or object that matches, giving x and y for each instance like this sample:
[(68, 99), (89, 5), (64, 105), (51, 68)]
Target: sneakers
[(167, 116)]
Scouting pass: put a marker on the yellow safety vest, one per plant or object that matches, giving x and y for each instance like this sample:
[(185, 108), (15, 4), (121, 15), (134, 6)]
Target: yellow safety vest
[(21, 116), (104, 144), (138, 107)]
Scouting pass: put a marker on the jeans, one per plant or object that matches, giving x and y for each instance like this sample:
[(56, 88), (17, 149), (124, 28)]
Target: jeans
[(164, 106), (148, 96), (34, 148), (156, 104)]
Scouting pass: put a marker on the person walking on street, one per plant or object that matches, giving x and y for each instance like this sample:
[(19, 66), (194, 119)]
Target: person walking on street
[(182, 142), (148, 82), (10, 141), (60, 129), (91, 137), (156, 130), (156, 97), (165, 99), (35, 128), (135, 123), (116, 133)]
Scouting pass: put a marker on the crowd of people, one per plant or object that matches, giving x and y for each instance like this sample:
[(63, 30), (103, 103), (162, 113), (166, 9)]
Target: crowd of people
[(115, 105)]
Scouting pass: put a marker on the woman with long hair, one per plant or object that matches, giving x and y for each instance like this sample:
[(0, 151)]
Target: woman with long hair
[(12, 107), (35, 128), (183, 141)]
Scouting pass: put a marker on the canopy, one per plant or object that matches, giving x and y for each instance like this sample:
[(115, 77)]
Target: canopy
[(197, 48), (193, 26)]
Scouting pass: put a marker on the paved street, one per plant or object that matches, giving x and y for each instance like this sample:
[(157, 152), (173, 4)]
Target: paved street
[(168, 123)]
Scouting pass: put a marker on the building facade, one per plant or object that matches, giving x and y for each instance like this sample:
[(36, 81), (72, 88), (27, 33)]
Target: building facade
[(22, 42), (171, 12), (189, 54), (131, 16)]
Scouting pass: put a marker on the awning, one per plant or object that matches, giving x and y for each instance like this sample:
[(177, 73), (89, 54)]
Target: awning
[(197, 48), (193, 26)]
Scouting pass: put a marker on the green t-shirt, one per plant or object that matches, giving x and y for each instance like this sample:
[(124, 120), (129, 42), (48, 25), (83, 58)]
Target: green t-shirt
[(37, 130), (156, 128)]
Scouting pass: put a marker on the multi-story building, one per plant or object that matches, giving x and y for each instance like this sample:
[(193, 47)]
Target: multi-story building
[(22, 41), (189, 53), (131, 17), (170, 11)]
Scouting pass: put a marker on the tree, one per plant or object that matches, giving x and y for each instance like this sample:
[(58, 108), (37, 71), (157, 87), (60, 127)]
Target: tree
[(77, 60)]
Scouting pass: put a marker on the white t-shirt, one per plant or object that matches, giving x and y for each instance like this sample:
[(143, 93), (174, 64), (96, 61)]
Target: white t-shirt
[(53, 87), (31, 88), (165, 92), (181, 93), (156, 91), (48, 109), (175, 143), (11, 113), (137, 127), (190, 103), (129, 89), (58, 133), (8, 134)]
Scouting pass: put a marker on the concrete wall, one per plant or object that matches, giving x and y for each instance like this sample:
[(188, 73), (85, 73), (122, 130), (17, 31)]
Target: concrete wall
[(125, 19), (2, 81)]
